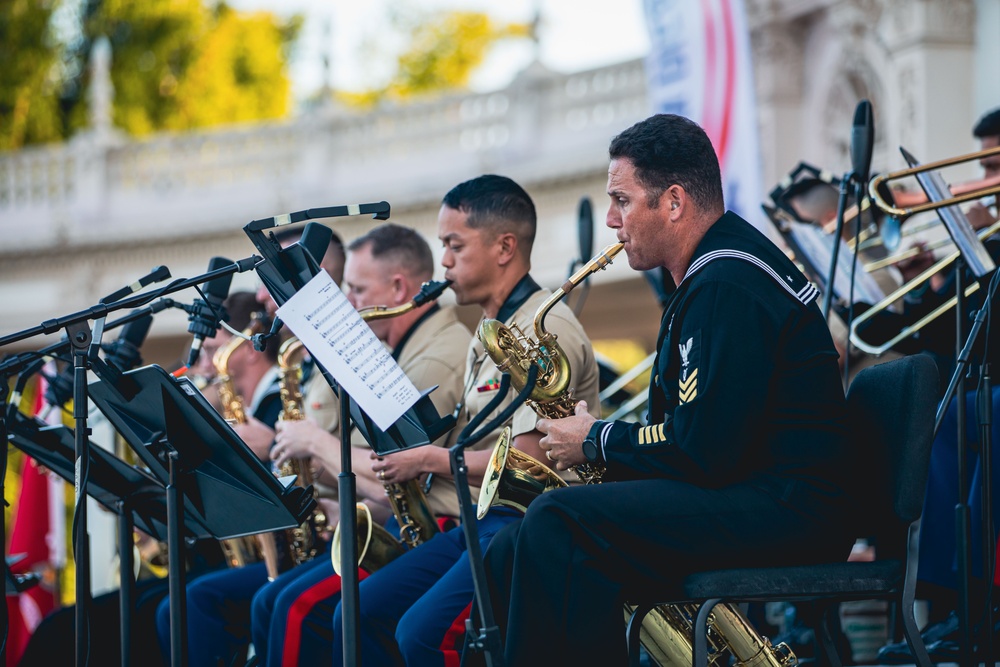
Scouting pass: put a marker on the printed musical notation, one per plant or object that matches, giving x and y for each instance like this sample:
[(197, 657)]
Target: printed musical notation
[(333, 332)]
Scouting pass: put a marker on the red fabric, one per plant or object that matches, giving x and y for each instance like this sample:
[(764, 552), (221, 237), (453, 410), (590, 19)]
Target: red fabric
[(452, 652), (29, 536), (300, 609)]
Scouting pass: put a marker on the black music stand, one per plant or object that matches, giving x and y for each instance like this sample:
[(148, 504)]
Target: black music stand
[(18, 583), (206, 468), (284, 271), (972, 253), (135, 496)]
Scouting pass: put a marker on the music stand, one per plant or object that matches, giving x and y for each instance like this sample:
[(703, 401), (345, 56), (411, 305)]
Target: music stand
[(135, 496), (284, 271), (18, 583), (208, 471), (973, 253)]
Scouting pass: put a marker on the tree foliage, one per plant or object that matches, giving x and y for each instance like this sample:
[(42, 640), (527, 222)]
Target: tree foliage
[(175, 65), (29, 108), (442, 54)]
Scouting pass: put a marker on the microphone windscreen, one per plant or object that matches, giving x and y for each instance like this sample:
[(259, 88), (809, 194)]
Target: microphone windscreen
[(218, 287), (862, 140), (316, 239), (585, 228)]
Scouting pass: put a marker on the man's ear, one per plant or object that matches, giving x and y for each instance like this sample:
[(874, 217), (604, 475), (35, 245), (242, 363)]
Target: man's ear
[(400, 289), (507, 243), (673, 202)]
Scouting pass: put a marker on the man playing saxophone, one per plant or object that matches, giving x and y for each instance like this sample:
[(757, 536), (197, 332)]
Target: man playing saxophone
[(413, 610), (213, 600), (746, 429), (292, 616)]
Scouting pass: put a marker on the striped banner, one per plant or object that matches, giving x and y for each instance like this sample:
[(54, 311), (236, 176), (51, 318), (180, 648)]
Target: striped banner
[(699, 66)]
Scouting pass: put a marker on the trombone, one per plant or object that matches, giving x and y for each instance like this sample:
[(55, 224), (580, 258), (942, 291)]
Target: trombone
[(982, 189)]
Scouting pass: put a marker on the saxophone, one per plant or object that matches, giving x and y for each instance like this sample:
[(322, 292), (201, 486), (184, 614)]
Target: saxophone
[(239, 551), (514, 479), (521, 475), (283, 550), (417, 523)]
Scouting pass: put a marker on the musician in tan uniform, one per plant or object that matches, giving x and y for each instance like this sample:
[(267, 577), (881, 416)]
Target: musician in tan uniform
[(413, 610), (292, 616)]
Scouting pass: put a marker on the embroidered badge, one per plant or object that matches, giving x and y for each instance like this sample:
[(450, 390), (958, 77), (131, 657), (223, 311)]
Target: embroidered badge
[(687, 381), (492, 384)]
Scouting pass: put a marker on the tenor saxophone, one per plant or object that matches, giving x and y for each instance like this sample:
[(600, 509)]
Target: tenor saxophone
[(417, 523), (239, 551), (283, 550), (514, 479)]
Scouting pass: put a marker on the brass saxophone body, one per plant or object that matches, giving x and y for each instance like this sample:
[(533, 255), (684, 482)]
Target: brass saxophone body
[(283, 550), (409, 504), (239, 551), (514, 479), (514, 353)]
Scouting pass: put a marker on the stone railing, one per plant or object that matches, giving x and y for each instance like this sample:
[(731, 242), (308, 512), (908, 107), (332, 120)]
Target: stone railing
[(109, 190)]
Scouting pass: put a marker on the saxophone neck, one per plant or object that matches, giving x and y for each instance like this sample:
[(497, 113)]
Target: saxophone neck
[(429, 291), (597, 263)]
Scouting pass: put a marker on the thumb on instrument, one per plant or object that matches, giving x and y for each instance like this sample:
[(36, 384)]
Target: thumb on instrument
[(581, 408)]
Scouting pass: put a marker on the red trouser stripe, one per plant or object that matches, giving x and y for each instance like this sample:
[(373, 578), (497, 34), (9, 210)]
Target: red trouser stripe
[(300, 609), (452, 653)]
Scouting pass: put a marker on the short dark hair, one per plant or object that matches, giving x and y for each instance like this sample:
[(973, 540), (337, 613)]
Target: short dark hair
[(988, 125), (498, 204), (401, 246), (240, 309), (290, 235), (667, 149)]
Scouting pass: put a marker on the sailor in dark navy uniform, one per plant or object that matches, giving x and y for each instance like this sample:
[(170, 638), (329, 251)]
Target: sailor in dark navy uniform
[(742, 460)]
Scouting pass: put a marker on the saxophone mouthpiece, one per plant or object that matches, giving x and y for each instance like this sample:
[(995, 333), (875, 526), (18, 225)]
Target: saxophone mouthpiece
[(430, 291)]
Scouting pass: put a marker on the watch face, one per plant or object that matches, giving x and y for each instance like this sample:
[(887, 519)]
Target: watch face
[(590, 449)]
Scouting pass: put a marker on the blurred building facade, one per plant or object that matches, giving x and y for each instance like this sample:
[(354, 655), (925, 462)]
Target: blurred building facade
[(82, 219)]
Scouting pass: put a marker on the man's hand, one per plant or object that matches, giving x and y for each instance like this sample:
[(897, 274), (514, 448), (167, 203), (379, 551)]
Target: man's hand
[(563, 441), (399, 467), (257, 435), (912, 267), (979, 216), (299, 439)]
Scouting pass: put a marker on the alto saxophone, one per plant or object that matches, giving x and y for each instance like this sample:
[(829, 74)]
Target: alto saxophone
[(283, 550), (417, 523), (239, 551), (514, 479)]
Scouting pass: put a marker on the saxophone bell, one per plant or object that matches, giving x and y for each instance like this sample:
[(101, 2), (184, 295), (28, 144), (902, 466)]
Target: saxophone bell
[(514, 478)]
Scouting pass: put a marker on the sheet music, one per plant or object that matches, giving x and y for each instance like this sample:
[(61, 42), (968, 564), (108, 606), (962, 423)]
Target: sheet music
[(335, 335), (818, 245)]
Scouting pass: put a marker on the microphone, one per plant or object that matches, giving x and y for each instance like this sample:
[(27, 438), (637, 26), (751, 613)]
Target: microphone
[(205, 317), (123, 354), (862, 141), (585, 229), (158, 274)]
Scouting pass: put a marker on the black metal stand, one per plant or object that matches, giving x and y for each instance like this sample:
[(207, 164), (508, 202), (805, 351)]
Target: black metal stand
[(486, 638), (349, 580), (956, 388), (845, 182)]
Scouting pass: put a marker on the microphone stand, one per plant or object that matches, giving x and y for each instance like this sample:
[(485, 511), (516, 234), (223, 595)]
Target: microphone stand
[(956, 388), (85, 346), (845, 182), (485, 639)]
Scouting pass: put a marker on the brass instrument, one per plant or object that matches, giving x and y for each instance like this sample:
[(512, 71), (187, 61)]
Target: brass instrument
[(417, 523), (514, 353), (514, 479), (239, 551), (283, 550)]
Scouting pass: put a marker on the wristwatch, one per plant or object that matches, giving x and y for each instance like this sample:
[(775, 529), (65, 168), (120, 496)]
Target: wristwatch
[(591, 450)]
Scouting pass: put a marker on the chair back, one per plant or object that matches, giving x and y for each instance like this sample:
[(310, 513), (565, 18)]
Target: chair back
[(891, 408)]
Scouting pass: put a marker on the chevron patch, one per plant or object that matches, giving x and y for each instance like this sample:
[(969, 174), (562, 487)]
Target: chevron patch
[(689, 388), (652, 435), (687, 380)]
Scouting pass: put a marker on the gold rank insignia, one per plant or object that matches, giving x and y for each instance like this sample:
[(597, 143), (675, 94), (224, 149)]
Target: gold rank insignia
[(687, 381), (651, 435)]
